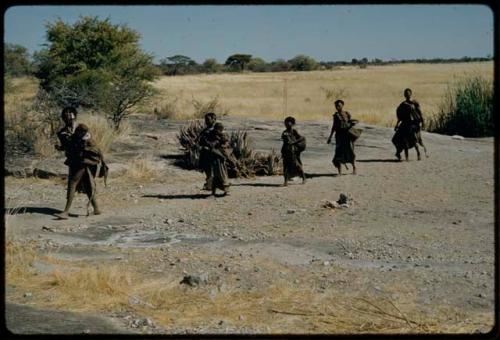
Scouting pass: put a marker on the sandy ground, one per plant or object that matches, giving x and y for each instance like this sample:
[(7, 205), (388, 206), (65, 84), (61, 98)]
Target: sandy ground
[(417, 233)]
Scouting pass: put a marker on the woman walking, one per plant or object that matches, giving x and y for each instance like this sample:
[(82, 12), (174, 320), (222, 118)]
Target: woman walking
[(344, 137), (293, 145)]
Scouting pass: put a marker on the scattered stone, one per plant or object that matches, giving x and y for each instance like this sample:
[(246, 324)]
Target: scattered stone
[(290, 211), (181, 220), (342, 199), (481, 295), (44, 228), (194, 280), (326, 263), (27, 295), (330, 204), (168, 221), (457, 137)]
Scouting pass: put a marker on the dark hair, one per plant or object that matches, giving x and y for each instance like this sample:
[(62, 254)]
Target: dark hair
[(408, 90), (290, 119), (82, 128), (210, 114), (339, 101), (218, 126), (67, 110)]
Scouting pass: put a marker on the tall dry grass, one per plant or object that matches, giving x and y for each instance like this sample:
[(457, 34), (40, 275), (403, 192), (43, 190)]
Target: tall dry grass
[(142, 168), (277, 308), (102, 131), (371, 94)]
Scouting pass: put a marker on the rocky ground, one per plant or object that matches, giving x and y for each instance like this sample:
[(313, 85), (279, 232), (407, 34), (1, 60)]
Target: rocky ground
[(419, 234)]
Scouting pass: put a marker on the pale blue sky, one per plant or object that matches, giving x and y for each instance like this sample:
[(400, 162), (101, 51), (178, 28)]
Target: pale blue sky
[(325, 32)]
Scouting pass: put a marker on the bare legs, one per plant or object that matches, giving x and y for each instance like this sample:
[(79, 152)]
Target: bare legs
[(75, 176)]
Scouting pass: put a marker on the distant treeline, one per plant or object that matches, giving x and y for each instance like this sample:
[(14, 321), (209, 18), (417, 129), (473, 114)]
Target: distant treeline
[(18, 62)]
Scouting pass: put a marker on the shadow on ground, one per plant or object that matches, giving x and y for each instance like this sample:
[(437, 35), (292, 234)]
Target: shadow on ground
[(182, 196), (390, 160), (31, 210), (256, 185)]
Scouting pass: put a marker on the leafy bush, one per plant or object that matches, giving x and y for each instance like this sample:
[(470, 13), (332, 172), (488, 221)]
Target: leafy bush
[(96, 65), (302, 63), (16, 60), (467, 109)]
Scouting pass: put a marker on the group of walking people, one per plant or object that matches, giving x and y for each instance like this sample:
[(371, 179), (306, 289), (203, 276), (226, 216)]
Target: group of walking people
[(85, 160)]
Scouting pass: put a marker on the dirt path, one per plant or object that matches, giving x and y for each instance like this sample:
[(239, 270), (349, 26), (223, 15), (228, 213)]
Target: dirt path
[(419, 233)]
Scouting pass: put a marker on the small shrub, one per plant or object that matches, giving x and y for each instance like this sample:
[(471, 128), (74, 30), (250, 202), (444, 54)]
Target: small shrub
[(142, 168), (334, 92), (213, 105), (167, 110), (467, 109)]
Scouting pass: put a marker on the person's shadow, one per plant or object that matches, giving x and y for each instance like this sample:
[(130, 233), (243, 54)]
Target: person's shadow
[(387, 160), (256, 185), (34, 210), (321, 175), (181, 196)]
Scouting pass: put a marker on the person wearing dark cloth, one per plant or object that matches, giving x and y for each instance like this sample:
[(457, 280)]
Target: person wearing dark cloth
[(68, 116), (407, 130), (83, 158), (293, 145), (344, 141), (217, 144), (210, 119)]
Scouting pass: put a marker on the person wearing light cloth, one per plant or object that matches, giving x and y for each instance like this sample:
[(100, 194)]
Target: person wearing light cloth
[(84, 160), (345, 135), (407, 130), (293, 145)]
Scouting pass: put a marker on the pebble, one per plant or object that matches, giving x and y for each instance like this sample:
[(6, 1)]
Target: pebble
[(326, 263), (27, 295), (290, 211)]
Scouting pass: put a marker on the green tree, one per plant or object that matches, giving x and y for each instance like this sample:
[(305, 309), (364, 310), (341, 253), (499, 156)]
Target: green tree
[(177, 65), (280, 65), (95, 64), (302, 63), (238, 61), (210, 66), (16, 60), (257, 65)]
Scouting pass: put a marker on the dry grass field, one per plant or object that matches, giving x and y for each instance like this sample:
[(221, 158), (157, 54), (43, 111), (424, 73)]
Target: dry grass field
[(371, 94)]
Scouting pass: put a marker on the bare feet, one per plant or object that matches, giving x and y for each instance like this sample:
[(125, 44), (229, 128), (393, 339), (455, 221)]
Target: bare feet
[(62, 215), (97, 212), (285, 184)]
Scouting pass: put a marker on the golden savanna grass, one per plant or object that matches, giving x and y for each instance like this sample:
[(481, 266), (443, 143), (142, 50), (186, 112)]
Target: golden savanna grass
[(277, 308), (371, 94)]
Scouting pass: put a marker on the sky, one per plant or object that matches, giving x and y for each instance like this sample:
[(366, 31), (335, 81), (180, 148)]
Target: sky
[(324, 32)]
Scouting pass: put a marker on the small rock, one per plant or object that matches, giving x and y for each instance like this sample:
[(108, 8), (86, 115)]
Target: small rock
[(481, 295), (27, 295), (194, 280), (168, 221), (181, 220), (342, 199), (249, 213), (290, 211), (326, 263), (44, 228), (457, 137), (221, 322)]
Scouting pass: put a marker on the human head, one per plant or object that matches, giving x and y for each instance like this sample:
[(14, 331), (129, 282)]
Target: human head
[(289, 121), (210, 119), (68, 115), (407, 93), (81, 130), (218, 127), (339, 104)]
